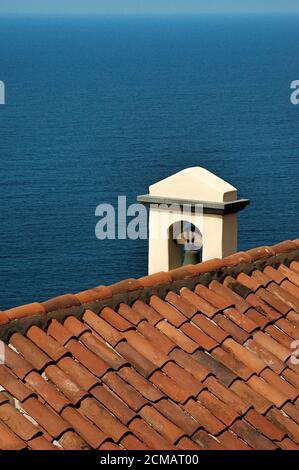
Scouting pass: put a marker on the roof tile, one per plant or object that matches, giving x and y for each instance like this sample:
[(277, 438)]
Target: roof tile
[(30, 351), (231, 328), (19, 366), (210, 328), (181, 304), (178, 416), (107, 423), (287, 425), (260, 252), (237, 258), (240, 320), (226, 395), (244, 355), (113, 404), (129, 314), (219, 409), (145, 387), (263, 307), (149, 436), (155, 279), (289, 299), (253, 437), (287, 444), (40, 443), (280, 384), (115, 320), (143, 365), (294, 265), (178, 337), (104, 329), (250, 396), (59, 332), (206, 441), (71, 441), (146, 312), (284, 246), (200, 304), (8, 440), (292, 275), (273, 346), (187, 444), (209, 266), (274, 274), (161, 424), (13, 385), (232, 363), (183, 378), (87, 358), (170, 387), (130, 442), (25, 310), (165, 344), (292, 411), (64, 383), (219, 302), (18, 424), (48, 393), (146, 348), (230, 441), (273, 301), (79, 374), (205, 341), (204, 417), (75, 327), (183, 272), (4, 318), (281, 338), (262, 387), (266, 356), (167, 311), (291, 377), (46, 343), (261, 278), (125, 391), (264, 426), (248, 282), (103, 351), (61, 302), (91, 295), (128, 285), (49, 420), (190, 364), (223, 374)]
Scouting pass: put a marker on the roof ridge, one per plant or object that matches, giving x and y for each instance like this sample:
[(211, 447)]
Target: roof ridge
[(251, 257)]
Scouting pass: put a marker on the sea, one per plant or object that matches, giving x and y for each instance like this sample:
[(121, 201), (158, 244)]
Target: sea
[(103, 106)]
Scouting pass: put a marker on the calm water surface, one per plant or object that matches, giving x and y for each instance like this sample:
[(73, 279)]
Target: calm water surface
[(101, 107)]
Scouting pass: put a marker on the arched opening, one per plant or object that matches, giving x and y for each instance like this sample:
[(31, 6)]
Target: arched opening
[(184, 244)]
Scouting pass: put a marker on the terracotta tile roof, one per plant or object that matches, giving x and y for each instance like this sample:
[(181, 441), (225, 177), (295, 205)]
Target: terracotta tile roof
[(197, 358)]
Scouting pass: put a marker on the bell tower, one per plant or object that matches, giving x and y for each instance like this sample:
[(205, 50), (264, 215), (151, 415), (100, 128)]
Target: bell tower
[(195, 209)]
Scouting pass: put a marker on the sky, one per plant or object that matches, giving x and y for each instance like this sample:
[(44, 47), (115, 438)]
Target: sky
[(146, 6)]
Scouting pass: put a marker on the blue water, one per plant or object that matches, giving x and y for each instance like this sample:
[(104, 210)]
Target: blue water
[(101, 107)]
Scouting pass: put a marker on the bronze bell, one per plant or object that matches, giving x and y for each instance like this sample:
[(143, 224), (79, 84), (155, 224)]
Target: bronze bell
[(190, 257)]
